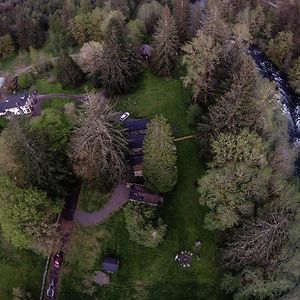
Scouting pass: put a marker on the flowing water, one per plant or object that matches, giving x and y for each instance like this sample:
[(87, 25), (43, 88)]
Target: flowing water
[(290, 102)]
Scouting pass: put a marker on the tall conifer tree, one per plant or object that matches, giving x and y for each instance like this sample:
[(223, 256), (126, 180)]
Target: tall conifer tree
[(165, 44)]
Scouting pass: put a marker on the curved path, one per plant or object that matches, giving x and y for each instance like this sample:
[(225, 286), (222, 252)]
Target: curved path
[(117, 200), (41, 98)]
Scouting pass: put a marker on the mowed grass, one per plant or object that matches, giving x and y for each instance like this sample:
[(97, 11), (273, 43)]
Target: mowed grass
[(55, 103), (24, 58), (20, 269), (43, 86), (154, 96), (151, 273)]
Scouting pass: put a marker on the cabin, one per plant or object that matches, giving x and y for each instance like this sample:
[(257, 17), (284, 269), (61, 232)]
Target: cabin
[(110, 265), (146, 51), (136, 160), (138, 193), (136, 141), (134, 127), (17, 105)]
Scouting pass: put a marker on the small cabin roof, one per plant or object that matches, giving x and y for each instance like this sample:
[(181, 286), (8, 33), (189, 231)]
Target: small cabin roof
[(110, 264)]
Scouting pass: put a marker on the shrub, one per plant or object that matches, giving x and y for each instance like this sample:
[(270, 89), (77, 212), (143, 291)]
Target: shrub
[(25, 80), (144, 225)]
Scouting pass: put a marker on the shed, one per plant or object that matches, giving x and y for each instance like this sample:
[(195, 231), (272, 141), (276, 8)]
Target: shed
[(146, 51), (110, 264)]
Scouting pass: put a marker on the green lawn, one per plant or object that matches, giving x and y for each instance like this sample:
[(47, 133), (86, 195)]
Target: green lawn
[(20, 269), (43, 86), (153, 96), (24, 58), (151, 273), (55, 103)]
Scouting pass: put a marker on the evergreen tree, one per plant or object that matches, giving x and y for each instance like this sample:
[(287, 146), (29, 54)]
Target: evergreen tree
[(120, 64), (82, 28), (238, 178), (68, 72), (165, 44), (149, 13), (201, 56), (181, 16), (7, 47), (238, 108), (294, 75), (281, 49), (159, 168), (195, 19)]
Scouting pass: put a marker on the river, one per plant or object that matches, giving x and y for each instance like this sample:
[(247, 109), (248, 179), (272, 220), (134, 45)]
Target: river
[(289, 101)]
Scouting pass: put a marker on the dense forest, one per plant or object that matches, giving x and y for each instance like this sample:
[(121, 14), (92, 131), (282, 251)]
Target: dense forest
[(249, 186)]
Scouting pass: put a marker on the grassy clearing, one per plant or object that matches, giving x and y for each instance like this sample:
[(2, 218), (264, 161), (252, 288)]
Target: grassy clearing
[(91, 199), (55, 103), (24, 58), (19, 269), (43, 86), (155, 95), (151, 273)]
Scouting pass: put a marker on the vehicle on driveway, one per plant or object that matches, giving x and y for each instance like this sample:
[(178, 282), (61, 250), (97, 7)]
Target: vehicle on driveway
[(124, 116), (51, 289), (57, 260)]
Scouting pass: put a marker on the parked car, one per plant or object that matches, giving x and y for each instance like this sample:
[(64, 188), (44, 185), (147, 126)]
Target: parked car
[(124, 116), (58, 258), (51, 289)]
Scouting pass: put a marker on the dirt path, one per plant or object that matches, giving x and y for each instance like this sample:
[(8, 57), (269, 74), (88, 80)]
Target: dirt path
[(117, 200)]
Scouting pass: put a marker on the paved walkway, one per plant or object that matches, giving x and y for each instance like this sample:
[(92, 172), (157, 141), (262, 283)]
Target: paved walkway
[(41, 98), (117, 200)]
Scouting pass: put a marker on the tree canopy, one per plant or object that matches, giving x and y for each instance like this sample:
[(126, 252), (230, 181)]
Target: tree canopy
[(27, 216), (144, 225), (165, 44), (159, 168), (97, 146), (68, 72), (201, 57), (238, 178)]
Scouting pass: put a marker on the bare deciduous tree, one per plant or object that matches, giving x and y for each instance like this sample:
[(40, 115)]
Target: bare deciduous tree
[(256, 244), (90, 57), (97, 146)]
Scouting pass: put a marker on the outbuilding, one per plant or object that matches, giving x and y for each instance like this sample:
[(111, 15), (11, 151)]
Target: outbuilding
[(110, 265)]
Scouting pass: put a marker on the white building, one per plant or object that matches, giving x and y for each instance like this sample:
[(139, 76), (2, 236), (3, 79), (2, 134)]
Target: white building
[(17, 105)]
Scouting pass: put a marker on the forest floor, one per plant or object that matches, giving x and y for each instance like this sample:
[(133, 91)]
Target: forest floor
[(150, 273)]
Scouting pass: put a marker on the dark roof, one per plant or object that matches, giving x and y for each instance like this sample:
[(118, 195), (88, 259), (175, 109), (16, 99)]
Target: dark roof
[(136, 125), (140, 194), (146, 49), (110, 264), (136, 141), (136, 159), (13, 101)]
